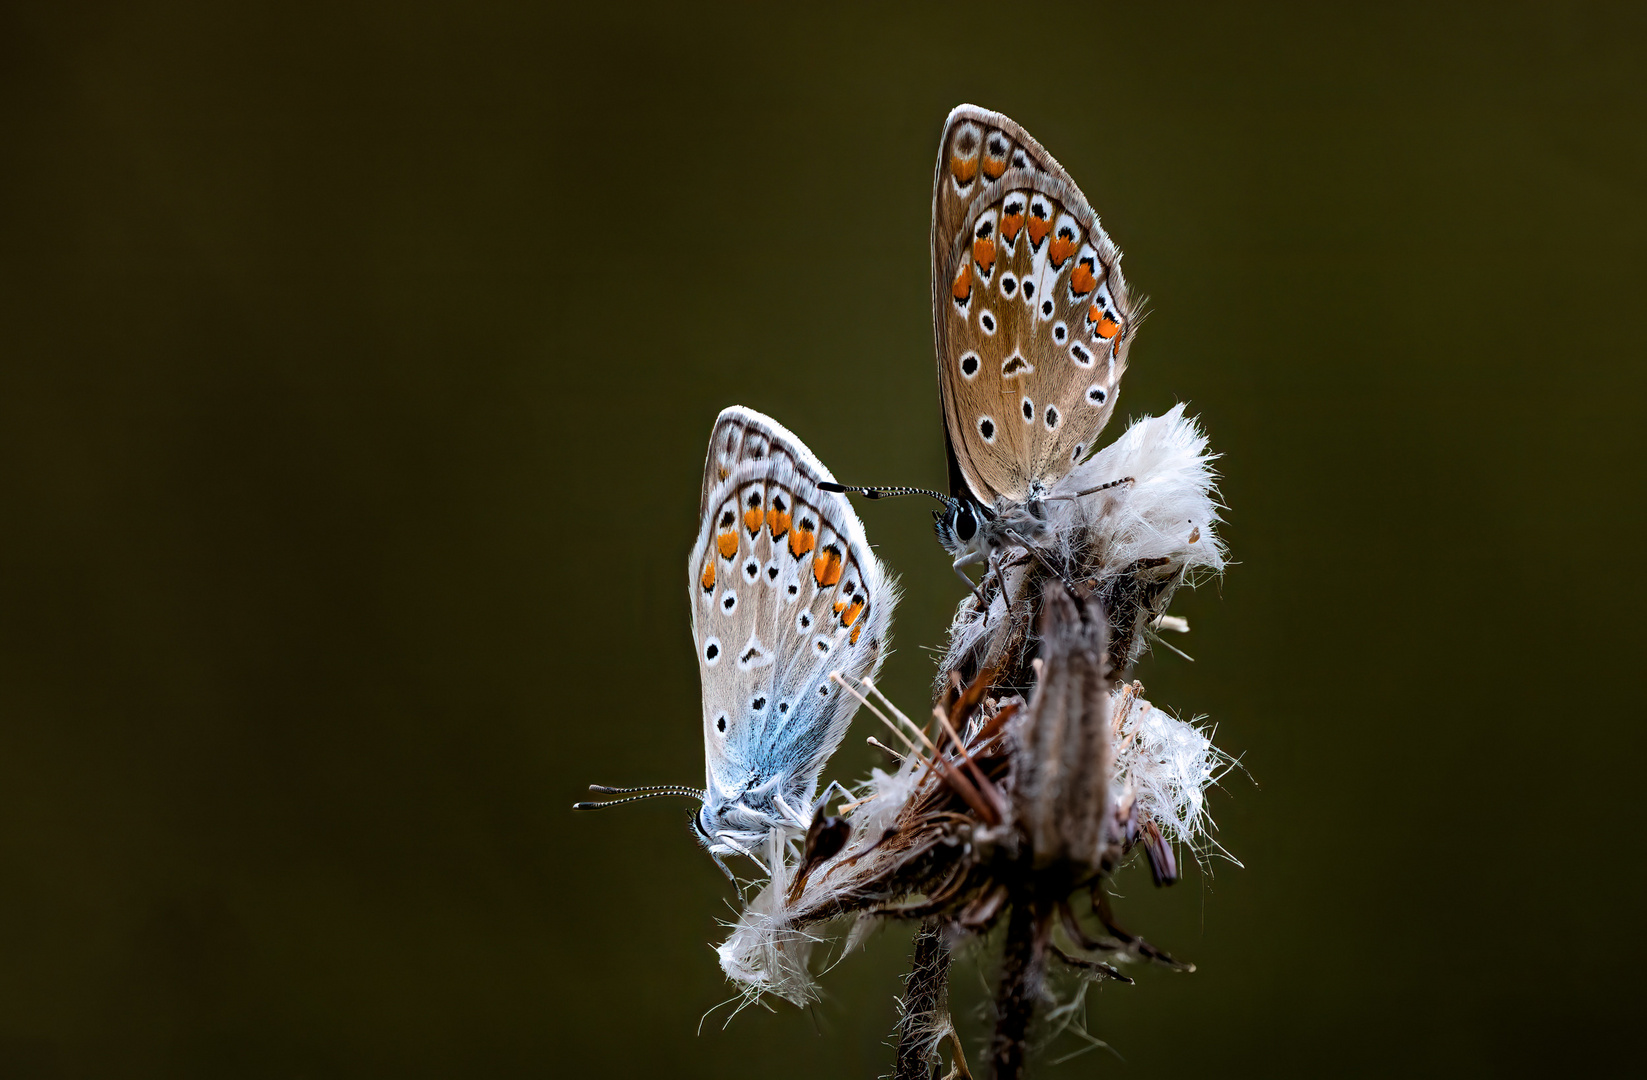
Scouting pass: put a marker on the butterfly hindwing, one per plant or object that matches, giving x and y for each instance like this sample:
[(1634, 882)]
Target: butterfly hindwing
[(1031, 313), (784, 591)]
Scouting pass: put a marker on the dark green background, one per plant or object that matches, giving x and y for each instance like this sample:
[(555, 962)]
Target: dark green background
[(358, 364)]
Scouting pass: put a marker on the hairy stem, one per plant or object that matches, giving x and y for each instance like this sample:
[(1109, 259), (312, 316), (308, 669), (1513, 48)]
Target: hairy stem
[(1022, 958), (926, 1002)]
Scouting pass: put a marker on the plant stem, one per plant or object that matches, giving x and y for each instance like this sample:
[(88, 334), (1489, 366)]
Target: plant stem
[(926, 1002), (1022, 957)]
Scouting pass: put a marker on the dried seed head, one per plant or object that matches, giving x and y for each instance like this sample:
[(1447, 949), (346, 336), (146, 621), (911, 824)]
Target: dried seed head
[(1061, 746)]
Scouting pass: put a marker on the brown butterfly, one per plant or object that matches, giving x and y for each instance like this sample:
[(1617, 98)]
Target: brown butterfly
[(1032, 320)]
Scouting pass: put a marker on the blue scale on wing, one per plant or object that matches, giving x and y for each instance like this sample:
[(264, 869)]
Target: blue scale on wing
[(813, 721)]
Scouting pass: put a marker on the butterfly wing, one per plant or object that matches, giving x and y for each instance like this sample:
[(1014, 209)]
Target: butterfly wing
[(784, 591), (1030, 311)]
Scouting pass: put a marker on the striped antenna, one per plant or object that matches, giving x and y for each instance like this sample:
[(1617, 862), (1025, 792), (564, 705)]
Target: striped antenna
[(881, 492), (649, 792)]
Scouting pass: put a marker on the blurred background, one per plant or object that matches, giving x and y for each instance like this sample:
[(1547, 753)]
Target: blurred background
[(359, 362)]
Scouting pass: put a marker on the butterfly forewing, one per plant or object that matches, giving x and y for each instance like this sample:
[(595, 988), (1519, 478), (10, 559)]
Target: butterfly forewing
[(1031, 313), (784, 591)]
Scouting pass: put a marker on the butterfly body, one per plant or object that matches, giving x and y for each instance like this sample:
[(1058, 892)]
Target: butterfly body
[(784, 591), (1032, 322)]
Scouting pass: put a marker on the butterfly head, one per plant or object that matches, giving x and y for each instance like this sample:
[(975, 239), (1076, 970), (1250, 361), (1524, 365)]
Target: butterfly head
[(960, 524)]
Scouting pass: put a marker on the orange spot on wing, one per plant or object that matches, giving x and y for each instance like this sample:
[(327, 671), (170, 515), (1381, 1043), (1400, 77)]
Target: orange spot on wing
[(962, 289), (708, 579), (1102, 325), (727, 544), (1081, 280), (963, 169), (856, 630), (826, 568), (777, 522), (983, 252), (994, 166), (752, 519), (1010, 224), (840, 606), (852, 614), (1038, 229), (801, 541), (1060, 251)]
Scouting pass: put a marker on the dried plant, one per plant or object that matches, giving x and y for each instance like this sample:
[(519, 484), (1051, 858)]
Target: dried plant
[(1130, 544), (1036, 774)]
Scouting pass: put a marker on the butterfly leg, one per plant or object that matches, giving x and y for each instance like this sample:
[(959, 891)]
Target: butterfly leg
[(720, 862), (726, 838), (834, 788), (795, 817), (971, 558), (1000, 582)]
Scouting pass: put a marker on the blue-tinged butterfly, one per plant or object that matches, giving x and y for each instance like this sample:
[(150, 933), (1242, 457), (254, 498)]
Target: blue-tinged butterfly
[(1032, 321), (784, 591)]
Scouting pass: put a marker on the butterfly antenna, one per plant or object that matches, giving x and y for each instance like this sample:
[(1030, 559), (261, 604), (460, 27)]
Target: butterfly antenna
[(881, 492), (635, 794)]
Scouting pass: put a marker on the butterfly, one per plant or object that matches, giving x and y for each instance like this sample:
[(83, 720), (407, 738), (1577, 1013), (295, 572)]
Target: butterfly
[(1032, 321), (784, 593)]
